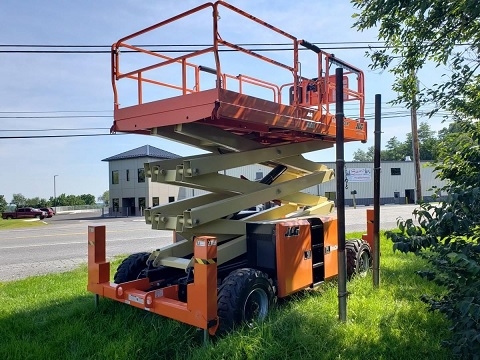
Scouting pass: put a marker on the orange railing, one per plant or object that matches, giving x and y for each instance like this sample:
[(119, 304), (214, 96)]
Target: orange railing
[(253, 81), (315, 92), (326, 83)]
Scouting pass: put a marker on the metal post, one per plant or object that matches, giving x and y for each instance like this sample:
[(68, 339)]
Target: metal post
[(340, 175), (376, 192), (205, 337), (54, 194), (416, 146)]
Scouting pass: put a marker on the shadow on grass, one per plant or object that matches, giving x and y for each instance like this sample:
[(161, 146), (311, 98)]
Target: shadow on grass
[(295, 333), (76, 329), (304, 326), (386, 323)]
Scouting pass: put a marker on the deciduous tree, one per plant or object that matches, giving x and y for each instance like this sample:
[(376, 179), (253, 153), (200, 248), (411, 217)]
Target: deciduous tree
[(417, 33), (105, 197), (88, 199), (361, 155), (447, 34), (3, 203), (19, 199)]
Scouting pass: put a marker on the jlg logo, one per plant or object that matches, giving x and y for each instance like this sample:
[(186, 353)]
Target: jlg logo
[(360, 126), (292, 231)]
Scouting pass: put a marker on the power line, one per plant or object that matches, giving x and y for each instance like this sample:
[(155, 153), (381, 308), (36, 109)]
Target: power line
[(62, 129), (53, 111), (328, 47), (186, 45), (368, 115), (56, 117), (177, 51), (111, 111), (196, 45), (386, 115), (111, 117), (54, 136)]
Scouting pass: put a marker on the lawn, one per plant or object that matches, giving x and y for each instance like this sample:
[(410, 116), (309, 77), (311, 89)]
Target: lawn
[(20, 223), (53, 316)]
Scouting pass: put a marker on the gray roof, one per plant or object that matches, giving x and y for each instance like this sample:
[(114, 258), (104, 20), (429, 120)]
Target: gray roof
[(143, 151)]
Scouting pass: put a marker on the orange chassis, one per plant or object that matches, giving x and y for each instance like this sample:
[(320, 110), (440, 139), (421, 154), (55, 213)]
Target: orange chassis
[(200, 310)]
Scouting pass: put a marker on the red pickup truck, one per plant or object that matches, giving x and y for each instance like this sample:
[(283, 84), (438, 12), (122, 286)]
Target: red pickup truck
[(25, 212)]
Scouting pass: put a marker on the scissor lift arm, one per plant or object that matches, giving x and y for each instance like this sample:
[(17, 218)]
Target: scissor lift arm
[(207, 214)]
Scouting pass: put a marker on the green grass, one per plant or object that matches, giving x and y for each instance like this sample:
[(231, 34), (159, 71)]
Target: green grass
[(54, 317), (19, 223)]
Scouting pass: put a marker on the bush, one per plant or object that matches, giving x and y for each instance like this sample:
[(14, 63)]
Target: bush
[(448, 236), (455, 261)]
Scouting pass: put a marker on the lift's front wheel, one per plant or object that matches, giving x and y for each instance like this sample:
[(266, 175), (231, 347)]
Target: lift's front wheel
[(245, 296), (131, 268)]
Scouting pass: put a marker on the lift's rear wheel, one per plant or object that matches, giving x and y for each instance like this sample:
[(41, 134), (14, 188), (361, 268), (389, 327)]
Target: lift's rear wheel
[(245, 296), (358, 257), (131, 268)]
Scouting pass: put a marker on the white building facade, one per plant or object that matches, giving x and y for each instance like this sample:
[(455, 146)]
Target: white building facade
[(397, 182), (129, 189)]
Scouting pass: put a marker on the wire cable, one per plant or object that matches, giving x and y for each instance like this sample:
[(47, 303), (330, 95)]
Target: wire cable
[(63, 129), (328, 47), (180, 45), (53, 111), (56, 117), (54, 136)]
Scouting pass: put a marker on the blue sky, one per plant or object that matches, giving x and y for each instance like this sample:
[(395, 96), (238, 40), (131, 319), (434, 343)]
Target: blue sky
[(54, 86)]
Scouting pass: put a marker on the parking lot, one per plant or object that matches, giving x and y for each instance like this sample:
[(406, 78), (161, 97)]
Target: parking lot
[(62, 245)]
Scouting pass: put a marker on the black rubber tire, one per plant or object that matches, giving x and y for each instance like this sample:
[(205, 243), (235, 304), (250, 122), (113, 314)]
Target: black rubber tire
[(359, 257), (245, 296), (131, 268)]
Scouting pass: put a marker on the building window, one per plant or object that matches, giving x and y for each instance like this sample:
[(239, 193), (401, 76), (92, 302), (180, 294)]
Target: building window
[(115, 204), (171, 199), (115, 178), (259, 175), (128, 175), (155, 201), (141, 175), (395, 171)]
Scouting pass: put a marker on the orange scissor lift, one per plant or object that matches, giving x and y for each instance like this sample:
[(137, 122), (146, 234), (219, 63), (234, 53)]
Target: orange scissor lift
[(224, 267)]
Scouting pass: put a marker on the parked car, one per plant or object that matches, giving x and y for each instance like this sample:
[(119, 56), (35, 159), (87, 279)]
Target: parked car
[(48, 211), (25, 212)]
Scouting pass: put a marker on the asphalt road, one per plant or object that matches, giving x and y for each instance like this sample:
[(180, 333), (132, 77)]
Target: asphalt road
[(62, 245)]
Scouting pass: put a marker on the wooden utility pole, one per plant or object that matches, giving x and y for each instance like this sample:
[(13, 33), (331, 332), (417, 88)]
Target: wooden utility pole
[(415, 144)]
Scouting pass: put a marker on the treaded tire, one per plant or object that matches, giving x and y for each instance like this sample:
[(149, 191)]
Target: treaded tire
[(131, 268), (244, 296), (358, 257)]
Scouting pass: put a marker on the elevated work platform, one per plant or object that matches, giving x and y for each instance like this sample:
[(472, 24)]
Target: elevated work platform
[(256, 119), (299, 110)]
